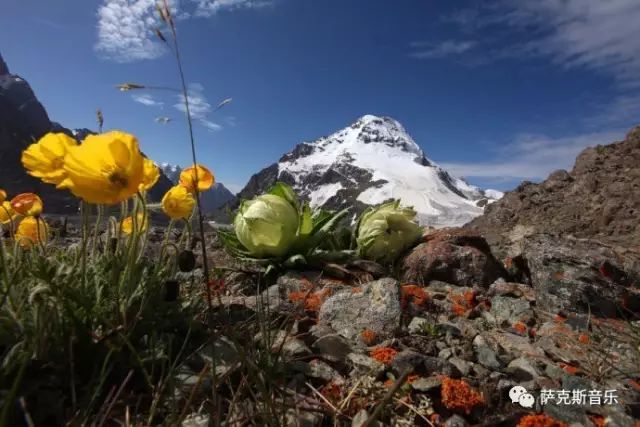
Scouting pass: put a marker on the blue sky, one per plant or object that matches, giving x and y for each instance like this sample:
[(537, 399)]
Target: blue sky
[(496, 93)]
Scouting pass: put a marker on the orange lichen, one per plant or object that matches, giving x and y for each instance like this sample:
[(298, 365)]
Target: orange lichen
[(569, 369), (435, 419), (356, 290), (412, 294), (331, 391), (583, 339), (462, 302), (558, 275), (389, 383), (312, 301), (368, 336), (383, 354), (635, 384), (597, 420), (316, 299), (470, 298), (458, 309), (559, 318), (539, 421), (520, 327), (457, 395), (297, 296)]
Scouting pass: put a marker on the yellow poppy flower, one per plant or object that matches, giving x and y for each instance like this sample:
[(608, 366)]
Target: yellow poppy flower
[(142, 223), (3, 196), (104, 169), (31, 230), (178, 203), (7, 214), (27, 204), (150, 175), (45, 159), (188, 178)]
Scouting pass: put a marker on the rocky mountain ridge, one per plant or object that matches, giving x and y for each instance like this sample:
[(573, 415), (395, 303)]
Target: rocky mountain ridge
[(598, 199), (371, 161)]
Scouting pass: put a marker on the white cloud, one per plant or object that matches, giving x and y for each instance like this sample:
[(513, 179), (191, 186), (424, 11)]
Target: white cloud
[(534, 157), (210, 125), (146, 99), (199, 106), (206, 8), (601, 35), (441, 49), (126, 27), (623, 109), (125, 30)]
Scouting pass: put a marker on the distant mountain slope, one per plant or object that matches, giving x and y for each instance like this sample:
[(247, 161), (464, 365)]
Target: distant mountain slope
[(24, 120), (212, 199), (369, 162)]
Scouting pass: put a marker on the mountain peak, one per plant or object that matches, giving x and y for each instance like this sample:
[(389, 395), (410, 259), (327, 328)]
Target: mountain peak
[(369, 162)]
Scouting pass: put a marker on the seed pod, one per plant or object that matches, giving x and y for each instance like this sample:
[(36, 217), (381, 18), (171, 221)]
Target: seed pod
[(172, 290), (186, 261)]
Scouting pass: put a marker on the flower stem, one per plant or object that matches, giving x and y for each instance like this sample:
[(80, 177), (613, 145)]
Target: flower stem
[(85, 229), (96, 229), (205, 261)]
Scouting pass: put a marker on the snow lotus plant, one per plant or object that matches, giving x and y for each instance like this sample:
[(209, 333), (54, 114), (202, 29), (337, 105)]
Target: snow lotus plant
[(384, 232), (276, 228)]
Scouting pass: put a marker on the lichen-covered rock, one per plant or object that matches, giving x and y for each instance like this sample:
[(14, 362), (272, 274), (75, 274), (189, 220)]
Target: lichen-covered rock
[(376, 308), (581, 275), (454, 256)]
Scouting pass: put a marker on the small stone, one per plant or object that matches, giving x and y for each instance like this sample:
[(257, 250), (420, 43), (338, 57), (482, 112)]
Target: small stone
[(455, 421), (196, 420), (320, 369), (463, 366), (333, 346), (426, 384), (446, 353), (417, 325), (297, 418), (361, 417), (436, 365), (485, 355), (365, 365), (510, 310), (522, 369), (554, 371), (376, 308)]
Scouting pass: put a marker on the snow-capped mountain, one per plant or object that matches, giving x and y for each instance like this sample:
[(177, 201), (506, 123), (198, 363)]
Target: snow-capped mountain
[(367, 163), (211, 199), (171, 171)]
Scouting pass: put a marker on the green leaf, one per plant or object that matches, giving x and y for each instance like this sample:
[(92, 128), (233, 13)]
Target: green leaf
[(286, 192), (327, 227), (306, 222)]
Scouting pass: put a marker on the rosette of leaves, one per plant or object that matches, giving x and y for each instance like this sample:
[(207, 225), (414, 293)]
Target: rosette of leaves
[(276, 229)]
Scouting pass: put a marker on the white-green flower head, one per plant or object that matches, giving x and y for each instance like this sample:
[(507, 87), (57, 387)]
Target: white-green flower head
[(386, 231), (267, 225)]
